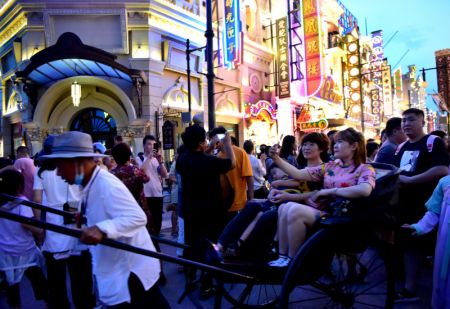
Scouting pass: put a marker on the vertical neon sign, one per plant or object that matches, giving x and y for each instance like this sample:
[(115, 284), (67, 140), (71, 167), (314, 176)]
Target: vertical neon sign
[(232, 34), (313, 46), (376, 64)]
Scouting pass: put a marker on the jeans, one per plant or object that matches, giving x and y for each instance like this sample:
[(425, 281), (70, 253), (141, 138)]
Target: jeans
[(263, 232)]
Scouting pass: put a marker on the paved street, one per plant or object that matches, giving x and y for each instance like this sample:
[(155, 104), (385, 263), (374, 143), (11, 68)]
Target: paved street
[(175, 285)]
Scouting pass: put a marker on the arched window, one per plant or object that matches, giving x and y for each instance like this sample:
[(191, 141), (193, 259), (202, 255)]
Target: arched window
[(98, 123)]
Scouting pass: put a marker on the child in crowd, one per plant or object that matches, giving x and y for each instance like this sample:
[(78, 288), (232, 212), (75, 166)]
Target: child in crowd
[(19, 254), (438, 214)]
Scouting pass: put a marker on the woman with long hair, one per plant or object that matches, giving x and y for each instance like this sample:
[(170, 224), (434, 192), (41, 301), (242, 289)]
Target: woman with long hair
[(346, 177), (288, 150)]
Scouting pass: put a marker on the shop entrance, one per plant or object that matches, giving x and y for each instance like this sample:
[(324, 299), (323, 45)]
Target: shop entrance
[(98, 123)]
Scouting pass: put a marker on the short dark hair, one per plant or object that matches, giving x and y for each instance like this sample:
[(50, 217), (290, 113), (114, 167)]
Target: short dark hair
[(217, 130), (415, 111), (23, 150), (321, 140), (249, 146), (11, 182), (193, 136), (121, 153), (392, 124), (371, 147), (148, 137), (118, 139)]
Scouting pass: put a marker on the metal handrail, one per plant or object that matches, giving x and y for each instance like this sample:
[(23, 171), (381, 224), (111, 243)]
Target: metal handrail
[(118, 245), (69, 214)]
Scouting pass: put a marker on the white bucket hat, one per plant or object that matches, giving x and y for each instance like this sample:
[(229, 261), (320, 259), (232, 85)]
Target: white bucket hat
[(72, 144)]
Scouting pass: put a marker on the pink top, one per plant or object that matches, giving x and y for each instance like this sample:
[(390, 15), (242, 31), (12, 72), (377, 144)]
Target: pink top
[(27, 168), (335, 175)]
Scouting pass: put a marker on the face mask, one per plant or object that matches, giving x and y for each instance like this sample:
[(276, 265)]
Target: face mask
[(79, 175)]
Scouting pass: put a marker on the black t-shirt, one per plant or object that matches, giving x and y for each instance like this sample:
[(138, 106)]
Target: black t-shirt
[(201, 193), (416, 158)]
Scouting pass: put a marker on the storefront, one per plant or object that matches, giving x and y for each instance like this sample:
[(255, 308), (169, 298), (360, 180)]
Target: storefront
[(261, 123)]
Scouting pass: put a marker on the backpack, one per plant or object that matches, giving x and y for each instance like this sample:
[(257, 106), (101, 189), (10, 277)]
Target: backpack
[(430, 143)]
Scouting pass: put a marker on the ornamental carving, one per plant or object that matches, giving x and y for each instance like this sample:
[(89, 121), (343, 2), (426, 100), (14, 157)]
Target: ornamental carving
[(9, 32)]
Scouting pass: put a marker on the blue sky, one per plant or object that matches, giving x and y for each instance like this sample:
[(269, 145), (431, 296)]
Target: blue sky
[(424, 26)]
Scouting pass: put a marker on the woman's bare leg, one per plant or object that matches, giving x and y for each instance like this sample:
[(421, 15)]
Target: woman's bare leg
[(282, 232), (299, 219)]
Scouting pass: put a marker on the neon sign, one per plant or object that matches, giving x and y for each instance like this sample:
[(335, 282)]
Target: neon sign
[(232, 34), (376, 65), (254, 110), (320, 124), (313, 46)]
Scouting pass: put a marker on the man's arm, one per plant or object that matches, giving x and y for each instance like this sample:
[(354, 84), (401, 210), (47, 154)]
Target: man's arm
[(228, 150), (433, 174)]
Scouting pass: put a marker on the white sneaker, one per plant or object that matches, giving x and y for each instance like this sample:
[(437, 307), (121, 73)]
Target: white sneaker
[(282, 261)]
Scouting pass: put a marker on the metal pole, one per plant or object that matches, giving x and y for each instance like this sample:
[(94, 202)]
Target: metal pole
[(122, 246), (210, 76), (188, 73)]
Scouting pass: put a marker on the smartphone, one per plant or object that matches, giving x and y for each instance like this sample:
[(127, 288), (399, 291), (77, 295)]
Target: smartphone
[(156, 146), (221, 136)]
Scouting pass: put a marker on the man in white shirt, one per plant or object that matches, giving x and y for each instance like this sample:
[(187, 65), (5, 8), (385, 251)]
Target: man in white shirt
[(124, 279), (259, 170), (153, 165)]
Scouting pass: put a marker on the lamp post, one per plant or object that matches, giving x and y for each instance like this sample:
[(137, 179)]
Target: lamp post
[(210, 76)]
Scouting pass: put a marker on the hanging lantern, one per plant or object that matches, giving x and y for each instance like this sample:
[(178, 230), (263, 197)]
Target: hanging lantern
[(76, 94)]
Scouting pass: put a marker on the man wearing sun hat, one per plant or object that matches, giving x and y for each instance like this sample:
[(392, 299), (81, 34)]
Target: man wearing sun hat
[(111, 212)]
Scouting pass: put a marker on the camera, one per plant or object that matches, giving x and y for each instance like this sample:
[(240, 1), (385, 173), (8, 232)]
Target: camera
[(157, 146)]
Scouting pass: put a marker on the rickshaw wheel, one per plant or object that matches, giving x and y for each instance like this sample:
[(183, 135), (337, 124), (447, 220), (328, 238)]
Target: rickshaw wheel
[(256, 295), (349, 280)]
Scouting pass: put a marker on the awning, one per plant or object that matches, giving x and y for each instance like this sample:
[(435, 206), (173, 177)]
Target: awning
[(70, 57)]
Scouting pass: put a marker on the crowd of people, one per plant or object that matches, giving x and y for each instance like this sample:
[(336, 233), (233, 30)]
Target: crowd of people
[(250, 202)]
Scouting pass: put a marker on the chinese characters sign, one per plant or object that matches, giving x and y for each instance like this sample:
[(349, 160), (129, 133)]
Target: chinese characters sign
[(232, 38), (283, 59), (320, 124), (376, 65), (313, 56), (398, 83)]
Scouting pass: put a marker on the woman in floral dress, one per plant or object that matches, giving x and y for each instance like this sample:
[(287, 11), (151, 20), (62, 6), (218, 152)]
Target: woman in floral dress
[(346, 177)]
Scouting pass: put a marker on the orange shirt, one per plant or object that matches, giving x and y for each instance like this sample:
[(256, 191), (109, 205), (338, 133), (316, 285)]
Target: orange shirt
[(237, 178)]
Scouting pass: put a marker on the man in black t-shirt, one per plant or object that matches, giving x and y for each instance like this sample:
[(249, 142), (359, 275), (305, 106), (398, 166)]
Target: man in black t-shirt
[(423, 161), (200, 177)]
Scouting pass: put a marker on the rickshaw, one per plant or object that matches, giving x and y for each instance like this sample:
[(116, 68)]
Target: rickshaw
[(345, 263)]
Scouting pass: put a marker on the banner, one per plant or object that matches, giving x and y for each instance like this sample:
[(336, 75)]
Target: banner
[(387, 90), (283, 59), (232, 45), (398, 86)]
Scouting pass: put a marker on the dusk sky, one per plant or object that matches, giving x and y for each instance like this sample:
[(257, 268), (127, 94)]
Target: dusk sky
[(424, 26)]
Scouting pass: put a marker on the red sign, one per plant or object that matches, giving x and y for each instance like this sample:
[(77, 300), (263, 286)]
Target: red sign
[(313, 57)]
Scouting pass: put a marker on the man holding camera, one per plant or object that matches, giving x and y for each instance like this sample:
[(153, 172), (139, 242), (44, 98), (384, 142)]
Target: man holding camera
[(153, 165)]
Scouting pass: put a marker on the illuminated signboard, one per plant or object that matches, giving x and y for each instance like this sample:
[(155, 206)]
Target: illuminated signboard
[(443, 74), (376, 106), (313, 46), (347, 21), (232, 34), (387, 89), (283, 59), (254, 110), (398, 83), (376, 65), (321, 124)]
